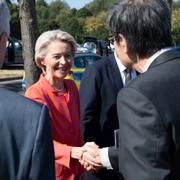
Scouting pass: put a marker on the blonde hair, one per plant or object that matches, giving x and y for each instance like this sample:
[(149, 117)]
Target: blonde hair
[(46, 38)]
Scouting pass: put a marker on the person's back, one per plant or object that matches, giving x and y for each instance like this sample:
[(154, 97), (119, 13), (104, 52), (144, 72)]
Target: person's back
[(148, 107), (157, 91), (26, 150)]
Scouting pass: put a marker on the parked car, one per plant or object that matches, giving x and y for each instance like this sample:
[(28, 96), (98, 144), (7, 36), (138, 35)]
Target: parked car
[(100, 47), (82, 49), (81, 61), (178, 47), (13, 52)]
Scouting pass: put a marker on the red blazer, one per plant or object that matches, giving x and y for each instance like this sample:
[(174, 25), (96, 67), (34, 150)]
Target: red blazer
[(64, 109)]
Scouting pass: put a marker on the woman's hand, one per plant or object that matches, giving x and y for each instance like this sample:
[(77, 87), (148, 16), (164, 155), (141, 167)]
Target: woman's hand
[(91, 157), (77, 152)]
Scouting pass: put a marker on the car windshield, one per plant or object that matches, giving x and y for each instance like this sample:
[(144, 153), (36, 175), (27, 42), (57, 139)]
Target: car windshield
[(84, 61), (90, 45)]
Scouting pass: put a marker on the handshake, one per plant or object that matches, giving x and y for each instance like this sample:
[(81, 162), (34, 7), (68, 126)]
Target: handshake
[(88, 155)]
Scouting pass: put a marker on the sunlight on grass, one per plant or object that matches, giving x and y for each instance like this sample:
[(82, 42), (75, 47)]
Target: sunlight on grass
[(11, 73)]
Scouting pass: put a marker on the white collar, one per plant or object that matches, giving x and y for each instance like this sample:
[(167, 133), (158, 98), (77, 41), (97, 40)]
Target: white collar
[(121, 67), (153, 57)]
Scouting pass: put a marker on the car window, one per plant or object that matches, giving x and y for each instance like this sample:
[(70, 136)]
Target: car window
[(91, 59), (80, 62), (84, 61), (17, 46)]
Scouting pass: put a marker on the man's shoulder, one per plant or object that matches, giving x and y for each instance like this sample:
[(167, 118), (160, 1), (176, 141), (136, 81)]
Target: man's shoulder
[(103, 63), (14, 99)]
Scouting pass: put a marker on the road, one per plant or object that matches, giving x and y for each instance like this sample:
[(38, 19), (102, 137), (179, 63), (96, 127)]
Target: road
[(13, 85)]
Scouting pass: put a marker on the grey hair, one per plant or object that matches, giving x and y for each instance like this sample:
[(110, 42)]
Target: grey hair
[(46, 38), (4, 18)]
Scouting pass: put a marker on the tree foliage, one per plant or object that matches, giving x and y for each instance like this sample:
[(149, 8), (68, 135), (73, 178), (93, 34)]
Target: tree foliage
[(89, 20), (176, 24), (97, 26)]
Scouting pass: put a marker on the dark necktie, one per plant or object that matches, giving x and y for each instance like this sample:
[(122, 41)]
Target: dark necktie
[(128, 76)]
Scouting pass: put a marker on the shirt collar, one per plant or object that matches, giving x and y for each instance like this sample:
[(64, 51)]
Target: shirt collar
[(121, 67), (153, 57), (47, 84)]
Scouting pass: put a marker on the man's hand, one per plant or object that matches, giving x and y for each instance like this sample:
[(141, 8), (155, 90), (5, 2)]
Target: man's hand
[(77, 152), (91, 157)]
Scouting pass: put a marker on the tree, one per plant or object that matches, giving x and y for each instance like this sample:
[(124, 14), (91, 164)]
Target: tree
[(29, 32), (42, 15), (176, 25), (99, 5), (84, 12), (15, 22), (41, 3), (97, 26)]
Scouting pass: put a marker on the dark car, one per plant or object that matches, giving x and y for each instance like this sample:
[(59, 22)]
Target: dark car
[(100, 47), (178, 47), (14, 52)]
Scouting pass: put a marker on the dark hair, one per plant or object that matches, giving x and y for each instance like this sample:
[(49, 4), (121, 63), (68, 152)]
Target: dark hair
[(146, 24)]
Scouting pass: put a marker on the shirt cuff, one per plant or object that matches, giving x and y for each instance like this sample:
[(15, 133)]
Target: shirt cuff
[(105, 158)]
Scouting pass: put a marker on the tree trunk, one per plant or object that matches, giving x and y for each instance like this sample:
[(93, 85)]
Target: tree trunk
[(29, 32)]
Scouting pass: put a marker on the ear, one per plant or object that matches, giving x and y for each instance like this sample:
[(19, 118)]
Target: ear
[(123, 43), (42, 62), (42, 65)]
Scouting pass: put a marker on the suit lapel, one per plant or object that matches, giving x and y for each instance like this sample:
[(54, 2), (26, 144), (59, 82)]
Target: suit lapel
[(114, 73), (166, 56)]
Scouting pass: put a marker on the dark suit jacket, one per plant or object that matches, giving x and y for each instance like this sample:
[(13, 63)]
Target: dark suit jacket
[(149, 117), (26, 149), (100, 85)]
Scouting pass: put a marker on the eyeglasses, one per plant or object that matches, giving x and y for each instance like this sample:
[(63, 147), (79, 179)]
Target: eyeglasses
[(113, 39)]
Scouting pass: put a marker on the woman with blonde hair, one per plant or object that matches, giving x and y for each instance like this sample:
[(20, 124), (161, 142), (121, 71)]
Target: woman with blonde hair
[(54, 53)]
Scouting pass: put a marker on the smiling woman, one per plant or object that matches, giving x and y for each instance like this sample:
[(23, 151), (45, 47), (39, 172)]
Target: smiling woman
[(54, 54)]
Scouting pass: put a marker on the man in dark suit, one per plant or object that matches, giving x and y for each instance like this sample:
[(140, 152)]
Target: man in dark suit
[(26, 149), (149, 106), (99, 87)]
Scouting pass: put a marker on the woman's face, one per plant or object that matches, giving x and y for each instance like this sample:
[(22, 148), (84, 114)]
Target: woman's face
[(58, 60)]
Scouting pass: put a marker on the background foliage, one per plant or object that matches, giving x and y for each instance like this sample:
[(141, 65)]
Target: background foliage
[(89, 20), (176, 23)]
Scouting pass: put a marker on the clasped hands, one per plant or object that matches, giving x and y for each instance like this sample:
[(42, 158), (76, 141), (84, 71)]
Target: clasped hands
[(88, 155)]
